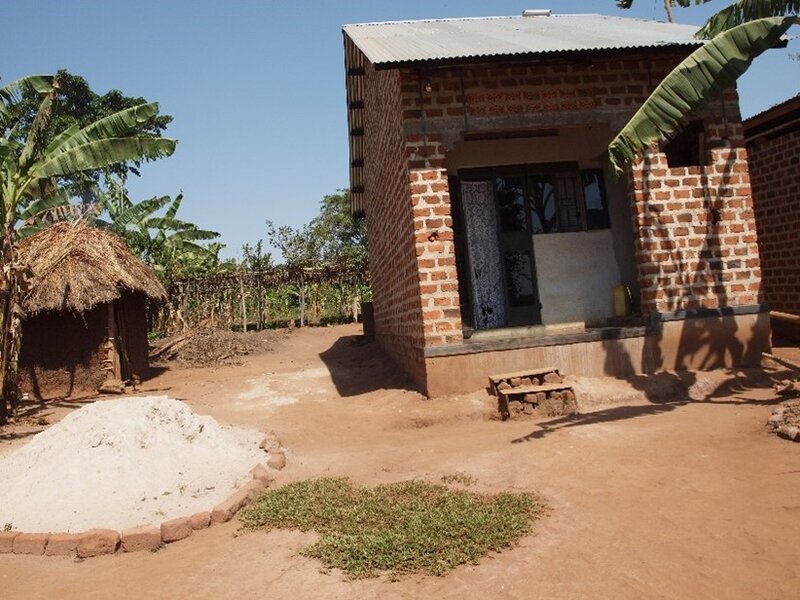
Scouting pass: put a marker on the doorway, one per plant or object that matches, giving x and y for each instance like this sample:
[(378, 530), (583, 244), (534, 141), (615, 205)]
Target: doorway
[(507, 218), (499, 252)]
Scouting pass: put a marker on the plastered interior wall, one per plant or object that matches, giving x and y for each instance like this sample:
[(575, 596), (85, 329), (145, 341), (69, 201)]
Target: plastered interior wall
[(576, 274)]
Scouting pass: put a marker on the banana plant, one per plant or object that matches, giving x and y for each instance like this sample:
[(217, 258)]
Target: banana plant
[(704, 73), (31, 166), (165, 242)]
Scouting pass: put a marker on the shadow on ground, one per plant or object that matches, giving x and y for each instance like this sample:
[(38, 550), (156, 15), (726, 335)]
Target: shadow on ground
[(33, 416), (665, 392), (359, 366)]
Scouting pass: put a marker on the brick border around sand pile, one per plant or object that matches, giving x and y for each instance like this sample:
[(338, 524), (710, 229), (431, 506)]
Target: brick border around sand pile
[(97, 542)]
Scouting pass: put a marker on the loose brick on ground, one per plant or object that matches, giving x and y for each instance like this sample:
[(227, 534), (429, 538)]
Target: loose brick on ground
[(254, 488), (30, 543), (7, 541), (200, 520), (277, 460), (260, 472), (224, 511)]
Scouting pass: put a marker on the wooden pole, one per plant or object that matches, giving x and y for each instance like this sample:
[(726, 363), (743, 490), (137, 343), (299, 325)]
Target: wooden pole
[(302, 299), (113, 351), (244, 305)]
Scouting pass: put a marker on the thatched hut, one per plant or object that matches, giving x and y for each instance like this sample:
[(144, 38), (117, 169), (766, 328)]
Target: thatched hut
[(85, 323)]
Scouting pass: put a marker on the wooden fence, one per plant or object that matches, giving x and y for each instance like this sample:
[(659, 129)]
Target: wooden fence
[(257, 300)]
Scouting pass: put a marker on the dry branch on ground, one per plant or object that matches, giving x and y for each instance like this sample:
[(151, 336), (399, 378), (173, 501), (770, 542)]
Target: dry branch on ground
[(213, 347)]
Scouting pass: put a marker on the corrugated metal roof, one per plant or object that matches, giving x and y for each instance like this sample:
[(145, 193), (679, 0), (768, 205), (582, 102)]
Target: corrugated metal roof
[(780, 106), (412, 41)]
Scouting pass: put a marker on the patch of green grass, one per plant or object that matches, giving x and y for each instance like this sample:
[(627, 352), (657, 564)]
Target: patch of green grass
[(459, 478), (406, 527)]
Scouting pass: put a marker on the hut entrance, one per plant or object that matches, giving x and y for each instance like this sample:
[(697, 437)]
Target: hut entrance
[(118, 360)]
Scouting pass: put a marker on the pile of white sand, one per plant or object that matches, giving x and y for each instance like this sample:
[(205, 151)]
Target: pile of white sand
[(122, 463)]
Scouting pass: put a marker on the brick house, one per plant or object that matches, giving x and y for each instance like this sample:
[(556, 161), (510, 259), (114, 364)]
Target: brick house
[(773, 149), (496, 236)]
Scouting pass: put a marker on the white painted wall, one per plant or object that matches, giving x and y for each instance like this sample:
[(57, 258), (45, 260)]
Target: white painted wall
[(577, 273)]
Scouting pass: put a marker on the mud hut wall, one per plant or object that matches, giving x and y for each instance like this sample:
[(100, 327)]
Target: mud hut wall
[(133, 316), (62, 354)]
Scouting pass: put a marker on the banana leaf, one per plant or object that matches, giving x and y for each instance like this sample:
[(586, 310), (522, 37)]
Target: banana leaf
[(747, 10), (11, 93), (102, 153), (708, 70)]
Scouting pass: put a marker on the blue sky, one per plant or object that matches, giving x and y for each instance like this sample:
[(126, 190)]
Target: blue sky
[(257, 88)]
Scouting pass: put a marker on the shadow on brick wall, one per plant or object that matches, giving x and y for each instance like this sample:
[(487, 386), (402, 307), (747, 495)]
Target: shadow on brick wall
[(700, 344), (695, 276)]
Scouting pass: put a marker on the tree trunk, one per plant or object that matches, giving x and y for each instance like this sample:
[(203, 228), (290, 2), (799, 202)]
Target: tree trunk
[(10, 324), (668, 8), (244, 305)]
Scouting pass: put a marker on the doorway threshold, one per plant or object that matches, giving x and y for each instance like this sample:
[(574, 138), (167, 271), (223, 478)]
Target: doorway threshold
[(512, 338)]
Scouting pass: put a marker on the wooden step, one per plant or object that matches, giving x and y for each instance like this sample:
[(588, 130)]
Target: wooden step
[(533, 389), (528, 373)]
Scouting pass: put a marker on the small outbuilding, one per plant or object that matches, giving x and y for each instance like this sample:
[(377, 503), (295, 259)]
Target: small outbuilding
[(85, 322), (498, 242)]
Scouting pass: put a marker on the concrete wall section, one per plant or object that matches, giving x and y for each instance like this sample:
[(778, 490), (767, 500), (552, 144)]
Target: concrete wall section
[(576, 275), (585, 145), (701, 343)]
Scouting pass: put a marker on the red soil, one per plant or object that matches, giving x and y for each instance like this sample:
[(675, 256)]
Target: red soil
[(663, 499)]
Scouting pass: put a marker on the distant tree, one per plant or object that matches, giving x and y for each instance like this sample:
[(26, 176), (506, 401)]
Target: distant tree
[(333, 237), (668, 5), (254, 259), (74, 103), (343, 239), (171, 246)]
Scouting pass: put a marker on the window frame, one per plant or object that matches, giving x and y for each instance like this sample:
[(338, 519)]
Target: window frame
[(561, 171)]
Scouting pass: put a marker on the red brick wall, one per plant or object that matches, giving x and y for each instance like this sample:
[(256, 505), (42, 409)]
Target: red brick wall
[(696, 242), (412, 120), (605, 85), (775, 173), (433, 237), (390, 223)]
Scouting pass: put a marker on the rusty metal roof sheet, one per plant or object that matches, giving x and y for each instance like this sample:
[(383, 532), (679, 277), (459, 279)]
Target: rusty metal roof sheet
[(390, 43)]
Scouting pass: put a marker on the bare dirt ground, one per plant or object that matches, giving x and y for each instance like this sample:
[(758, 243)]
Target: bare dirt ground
[(684, 495)]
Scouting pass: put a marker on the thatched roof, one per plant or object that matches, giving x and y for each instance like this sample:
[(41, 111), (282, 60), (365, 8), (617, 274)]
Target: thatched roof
[(76, 267)]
